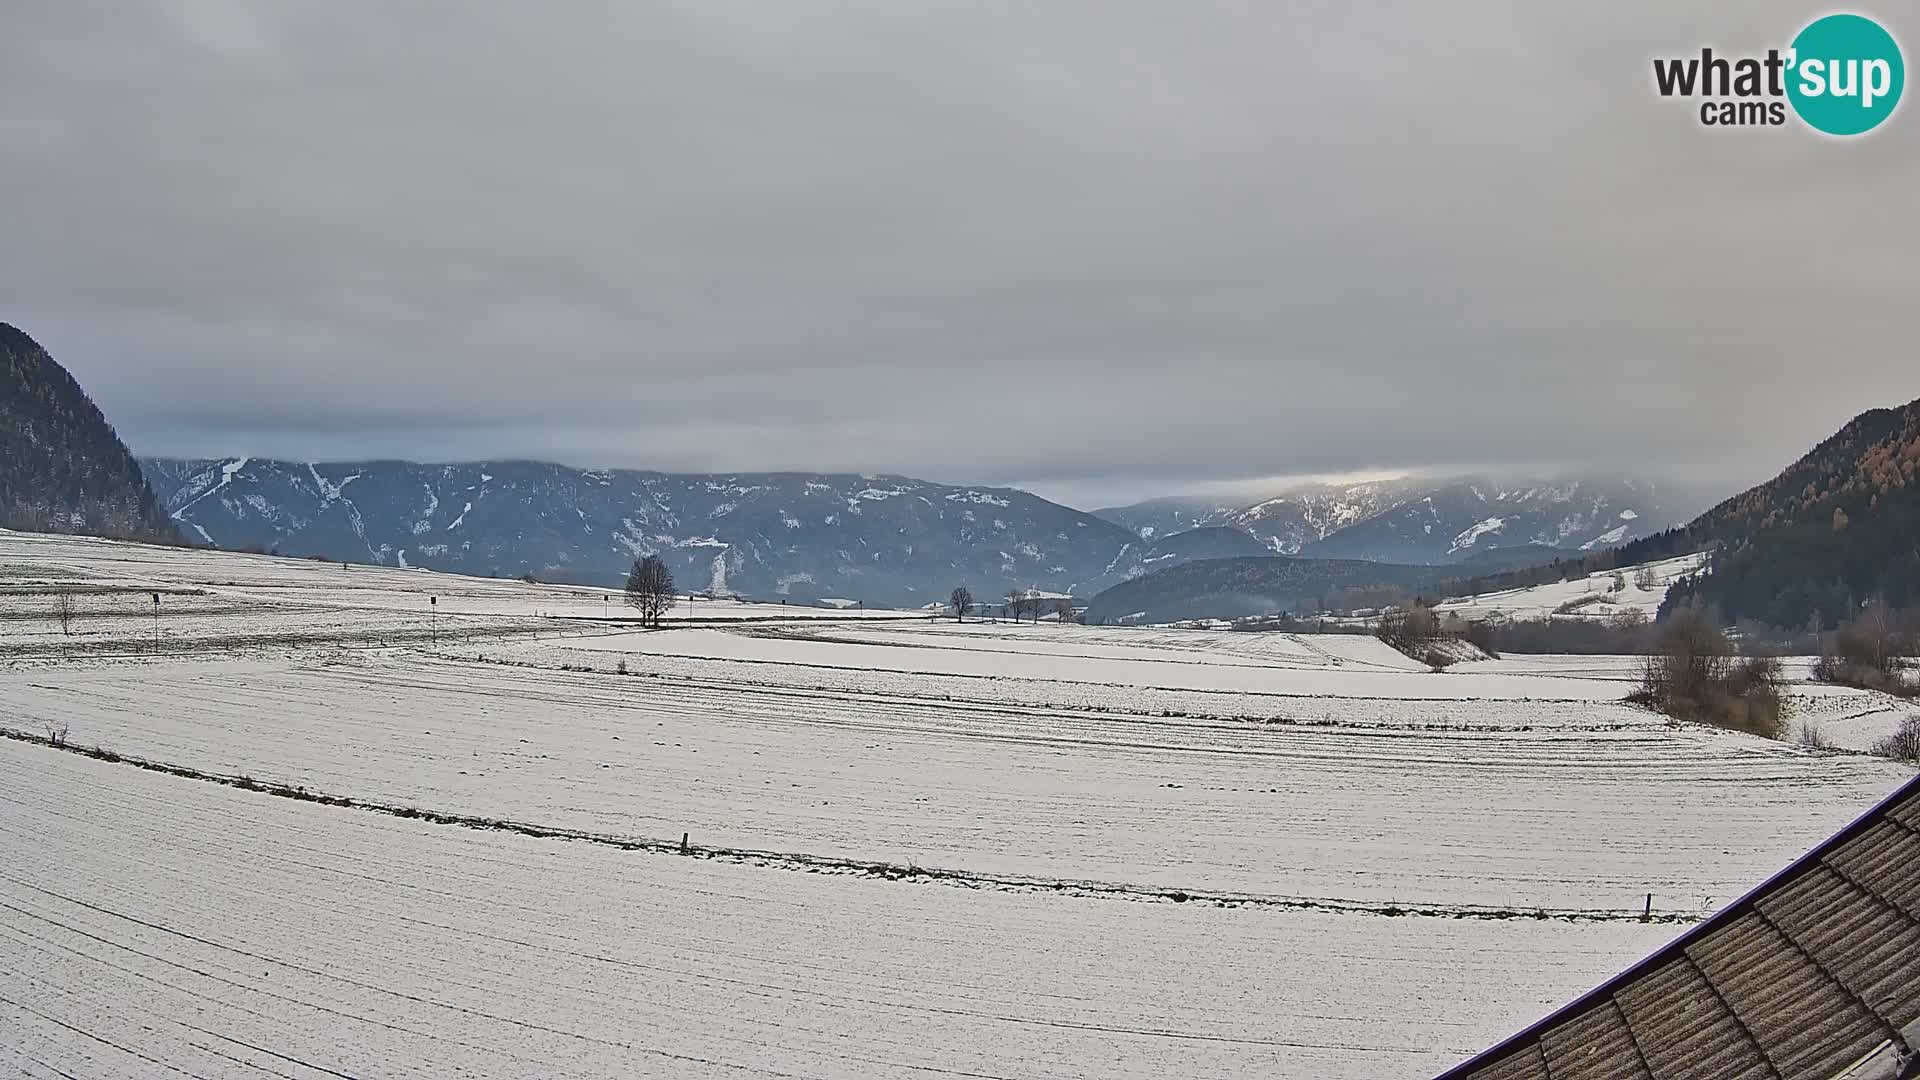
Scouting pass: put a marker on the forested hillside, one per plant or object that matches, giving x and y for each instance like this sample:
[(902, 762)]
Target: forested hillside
[(1835, 529), (62, 468)]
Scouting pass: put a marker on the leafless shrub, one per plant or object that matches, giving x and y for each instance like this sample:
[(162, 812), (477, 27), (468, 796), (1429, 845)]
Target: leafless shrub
[(1580, 603), (1812, 738), (1628, 620), (63, 607), (1903, 744), (1694, 675), (1871, 652), (1836, 670), (57, 736)]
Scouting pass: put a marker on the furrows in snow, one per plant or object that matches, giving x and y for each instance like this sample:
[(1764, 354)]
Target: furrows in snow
[(814, 863)]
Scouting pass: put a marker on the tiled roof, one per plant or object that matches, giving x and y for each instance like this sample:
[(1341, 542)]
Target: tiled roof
[(1815, 975)]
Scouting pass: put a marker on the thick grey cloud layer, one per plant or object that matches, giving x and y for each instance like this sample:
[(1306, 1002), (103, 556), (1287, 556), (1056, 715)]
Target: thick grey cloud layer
[(1101, 248)]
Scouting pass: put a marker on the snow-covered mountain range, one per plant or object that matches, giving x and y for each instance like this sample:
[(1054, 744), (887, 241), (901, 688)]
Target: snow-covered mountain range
[(882, 540), (1412, 520), (878, 539)]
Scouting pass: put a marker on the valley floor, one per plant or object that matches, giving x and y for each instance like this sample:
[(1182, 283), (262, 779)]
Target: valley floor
[(372, 841)]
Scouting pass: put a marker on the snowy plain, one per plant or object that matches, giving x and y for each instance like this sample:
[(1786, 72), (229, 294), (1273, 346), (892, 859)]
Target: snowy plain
[(34, 560), (1508, 819), (916, 847), (1332, 665), (151, 925)]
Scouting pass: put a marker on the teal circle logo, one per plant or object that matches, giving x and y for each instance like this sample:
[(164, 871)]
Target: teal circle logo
[(1845, 74)]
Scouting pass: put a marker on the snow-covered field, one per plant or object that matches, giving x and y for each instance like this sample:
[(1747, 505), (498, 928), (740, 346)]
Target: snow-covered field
[(1508, 818), (1850, 719), (1591, 597), (1845, 717), (157, 926), (918, 848), (31, 563), (1345, 666)]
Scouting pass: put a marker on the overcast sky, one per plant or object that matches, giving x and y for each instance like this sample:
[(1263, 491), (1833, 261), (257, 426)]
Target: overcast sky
[(1102, 249)]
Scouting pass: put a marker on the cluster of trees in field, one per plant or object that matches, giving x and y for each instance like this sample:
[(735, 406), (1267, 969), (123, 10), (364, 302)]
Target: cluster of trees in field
[(1696, 670), (1412, 629), (1874, 651), (1696, 673), (1419, 630), (1019, 604), (1628, 633), (1424, 634)]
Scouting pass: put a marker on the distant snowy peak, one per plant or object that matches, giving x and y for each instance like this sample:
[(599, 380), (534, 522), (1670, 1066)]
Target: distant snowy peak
[(1288, 523), (1455, 519), (1427, 520)]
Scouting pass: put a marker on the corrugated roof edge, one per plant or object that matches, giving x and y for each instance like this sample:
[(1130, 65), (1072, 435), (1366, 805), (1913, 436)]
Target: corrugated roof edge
[(1599, 995)]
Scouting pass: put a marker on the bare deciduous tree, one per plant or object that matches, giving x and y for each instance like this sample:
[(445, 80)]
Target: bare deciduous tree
[(1877, 636), (1027, 603), (650, 589), (64, 606), (962, 601), (1871, 652), (1063, 610), (1628, 620), (1409, 629), (1903, 744)]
